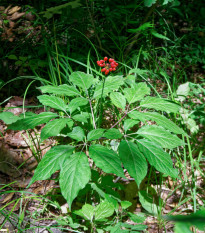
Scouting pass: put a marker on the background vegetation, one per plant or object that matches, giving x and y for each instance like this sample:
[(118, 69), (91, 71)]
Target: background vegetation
[(158, 42)]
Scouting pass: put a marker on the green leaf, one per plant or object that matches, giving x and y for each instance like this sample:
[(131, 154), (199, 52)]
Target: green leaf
[(12, 57), (163, 121), (129, 123), (160, 104), (136, 93), (87, 212), (160, 136), (106, 159), (82, 80), (142, 27), (182, 227), (133, 160), (32, 121), (118, 100), (75, 103), (138, 218), (125, 204), (157, 157), (111, 83), (104, 210), (75, 174), (51, 162), (8, 117), (54, 127), (149, 2), (147, 202), (182, 91), (158, 35), (195, 219), (138, 115), (95, 134), (81, 118), (77, 134), (53, 102), (112, 134), (64, 90)]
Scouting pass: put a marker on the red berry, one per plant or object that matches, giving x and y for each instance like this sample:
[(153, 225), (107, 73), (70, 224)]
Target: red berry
[(113, 69), (101, 61), (102, 64), (103, 70), (111, 60), (110, 69), (98, 62), (106, 72), (105, 58), (116, 64)]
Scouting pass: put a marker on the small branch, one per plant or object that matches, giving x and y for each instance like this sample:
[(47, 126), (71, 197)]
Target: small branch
[(126, 112)]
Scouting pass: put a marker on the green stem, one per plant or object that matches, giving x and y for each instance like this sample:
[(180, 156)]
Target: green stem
[(101, 105)]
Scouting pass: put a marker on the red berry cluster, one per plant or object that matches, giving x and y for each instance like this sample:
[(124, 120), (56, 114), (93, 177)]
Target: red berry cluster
[(109, 65)]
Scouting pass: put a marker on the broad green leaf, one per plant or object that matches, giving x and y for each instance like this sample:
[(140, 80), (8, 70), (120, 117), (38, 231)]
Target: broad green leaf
[(104, 210), (147, 203), (32, 121), (149, 2), (82, 79), (136, 92), (138, 227), (87, 212), (160, 104), (138, 71), (182, 227), (75, 174), (51, 162), (8, 117), (125, 204), (118, 100), (53, 102), (182, 91), (106, 159), (138, 218), (133, 160), (77, 134), (163, 121), (64, 90), (158, 118), (95, 134), (138, 116), (157, 157), (54, 127), (160, 136), (80, 118), (112, 200), (158, 35), (196, 219), (112, 134), (111, 83), (129, 123), (75, 103)]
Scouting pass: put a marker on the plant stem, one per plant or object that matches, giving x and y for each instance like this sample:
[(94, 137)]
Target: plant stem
[(126, 112), (91, 108), (101, 107)]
